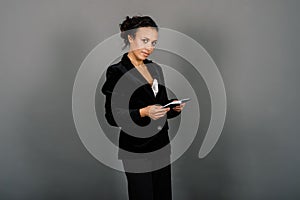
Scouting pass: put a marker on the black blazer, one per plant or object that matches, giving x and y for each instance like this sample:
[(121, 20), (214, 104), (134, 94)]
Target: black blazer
[(140, 97)]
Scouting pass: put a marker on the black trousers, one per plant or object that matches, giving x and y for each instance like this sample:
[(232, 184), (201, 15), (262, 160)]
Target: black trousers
[(152, 185)]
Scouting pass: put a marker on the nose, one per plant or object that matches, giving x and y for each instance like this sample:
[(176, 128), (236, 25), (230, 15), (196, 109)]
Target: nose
[(149, 47)]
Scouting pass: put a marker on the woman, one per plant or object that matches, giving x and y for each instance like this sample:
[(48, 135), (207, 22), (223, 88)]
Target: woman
[(146, 93)]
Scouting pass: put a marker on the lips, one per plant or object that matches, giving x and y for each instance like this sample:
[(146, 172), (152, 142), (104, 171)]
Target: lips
[(145, 54)]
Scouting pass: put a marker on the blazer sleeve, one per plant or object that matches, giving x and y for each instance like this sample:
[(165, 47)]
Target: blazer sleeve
[(172, 113), (112, 76)]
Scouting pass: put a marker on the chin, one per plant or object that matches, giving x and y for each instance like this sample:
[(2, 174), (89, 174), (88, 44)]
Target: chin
[(143, 56)]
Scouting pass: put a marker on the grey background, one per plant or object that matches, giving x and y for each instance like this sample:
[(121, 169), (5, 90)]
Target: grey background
[(255, 45)]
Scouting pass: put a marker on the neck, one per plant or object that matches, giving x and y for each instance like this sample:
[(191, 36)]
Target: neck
[(134, 60)]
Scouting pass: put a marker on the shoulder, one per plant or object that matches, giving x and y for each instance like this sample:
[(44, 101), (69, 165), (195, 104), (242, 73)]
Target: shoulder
[(113, 74), (115, 70), (115, 67), (156, 67), (153, 64)]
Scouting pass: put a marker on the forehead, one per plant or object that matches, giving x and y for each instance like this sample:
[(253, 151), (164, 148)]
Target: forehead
[(148, 32)]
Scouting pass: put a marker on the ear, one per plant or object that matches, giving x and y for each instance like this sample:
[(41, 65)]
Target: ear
[(130, 39)]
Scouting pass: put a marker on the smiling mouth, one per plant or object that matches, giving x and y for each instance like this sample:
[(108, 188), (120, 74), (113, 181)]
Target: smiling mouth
[(145, 54)]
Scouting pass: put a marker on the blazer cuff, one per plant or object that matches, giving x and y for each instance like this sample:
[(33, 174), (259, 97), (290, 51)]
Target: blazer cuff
[(136, 117)]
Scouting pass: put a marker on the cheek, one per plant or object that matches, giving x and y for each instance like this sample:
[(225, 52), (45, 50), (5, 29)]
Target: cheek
[(140, 44)]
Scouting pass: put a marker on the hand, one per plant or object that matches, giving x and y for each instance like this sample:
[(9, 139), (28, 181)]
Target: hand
[(154, 111), (179, 107)]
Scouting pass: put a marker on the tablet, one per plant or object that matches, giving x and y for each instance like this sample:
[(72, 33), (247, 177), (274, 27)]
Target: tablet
[(176, 103)]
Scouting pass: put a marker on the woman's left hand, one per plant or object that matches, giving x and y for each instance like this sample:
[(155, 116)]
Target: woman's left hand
[(179, 107)]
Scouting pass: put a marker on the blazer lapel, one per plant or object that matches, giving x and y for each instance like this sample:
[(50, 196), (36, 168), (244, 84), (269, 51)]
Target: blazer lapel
[(137, 77)]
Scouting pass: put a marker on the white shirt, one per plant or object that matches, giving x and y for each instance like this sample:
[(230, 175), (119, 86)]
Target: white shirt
[(155, 87)]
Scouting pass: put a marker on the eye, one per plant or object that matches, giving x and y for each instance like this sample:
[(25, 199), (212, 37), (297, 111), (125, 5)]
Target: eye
[(145, 41), (154, 43)]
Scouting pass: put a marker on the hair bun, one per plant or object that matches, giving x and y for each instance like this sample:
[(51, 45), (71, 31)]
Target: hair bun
[(126, 24)]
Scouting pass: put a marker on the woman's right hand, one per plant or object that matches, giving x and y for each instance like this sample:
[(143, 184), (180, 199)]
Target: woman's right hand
[(154, 111)]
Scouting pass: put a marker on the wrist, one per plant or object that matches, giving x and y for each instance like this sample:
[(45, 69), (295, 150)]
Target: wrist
[(143, 112)]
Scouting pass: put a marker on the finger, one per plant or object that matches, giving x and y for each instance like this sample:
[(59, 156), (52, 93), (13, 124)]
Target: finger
[(177, 108), (156, 117), (161, 111), (159, 115)]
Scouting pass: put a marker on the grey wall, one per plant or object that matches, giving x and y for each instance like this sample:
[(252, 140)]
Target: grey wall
[(255, 45)]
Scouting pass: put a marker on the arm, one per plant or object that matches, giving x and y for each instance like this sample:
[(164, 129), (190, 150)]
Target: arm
[(112, 77)]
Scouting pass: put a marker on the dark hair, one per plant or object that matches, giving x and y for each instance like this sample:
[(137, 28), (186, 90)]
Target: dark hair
[(129, 26)]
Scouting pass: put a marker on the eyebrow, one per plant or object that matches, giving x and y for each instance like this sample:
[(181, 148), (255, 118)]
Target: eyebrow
[(148, 39)]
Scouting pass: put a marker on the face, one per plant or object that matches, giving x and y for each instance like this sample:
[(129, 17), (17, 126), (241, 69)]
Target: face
[(144, 42)]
